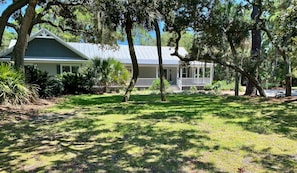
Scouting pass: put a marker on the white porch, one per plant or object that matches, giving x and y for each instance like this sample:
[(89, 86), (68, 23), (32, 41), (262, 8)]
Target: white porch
[(196, 74)]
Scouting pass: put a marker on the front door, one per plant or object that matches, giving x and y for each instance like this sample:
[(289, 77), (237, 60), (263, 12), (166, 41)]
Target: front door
[(168, 74)]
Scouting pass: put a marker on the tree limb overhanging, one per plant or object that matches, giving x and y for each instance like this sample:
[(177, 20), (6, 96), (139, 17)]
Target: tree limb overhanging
[(211, 57), (16, 5)]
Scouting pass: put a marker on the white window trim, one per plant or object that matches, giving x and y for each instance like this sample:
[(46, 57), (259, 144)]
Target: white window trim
[(70, 65)]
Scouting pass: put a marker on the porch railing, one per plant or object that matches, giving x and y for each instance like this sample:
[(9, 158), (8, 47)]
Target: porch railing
[(184, 82), (144, 82), (193, 82)]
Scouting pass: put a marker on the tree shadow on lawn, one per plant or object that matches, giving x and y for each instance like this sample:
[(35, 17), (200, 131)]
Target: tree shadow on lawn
[(266, 120), (272, 162), (83, 145), (139, 148), (23, 136)]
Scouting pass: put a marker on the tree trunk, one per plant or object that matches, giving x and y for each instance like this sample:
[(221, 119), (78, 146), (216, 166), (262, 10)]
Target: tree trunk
[(135, 73), (7, 13), (234, 53), (251, 89), (287, 61), (161, 69), (252, 79), (288, 76), (22, 41)]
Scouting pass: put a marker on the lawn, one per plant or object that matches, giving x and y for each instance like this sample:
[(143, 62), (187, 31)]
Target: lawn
[(188, 133)]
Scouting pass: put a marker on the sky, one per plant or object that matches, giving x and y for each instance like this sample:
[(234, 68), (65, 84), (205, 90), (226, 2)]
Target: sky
[(3, 6)]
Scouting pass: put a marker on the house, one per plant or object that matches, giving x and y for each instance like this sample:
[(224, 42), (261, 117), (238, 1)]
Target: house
[(52, 54)]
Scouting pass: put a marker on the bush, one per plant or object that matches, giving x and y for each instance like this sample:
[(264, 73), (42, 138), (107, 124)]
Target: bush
[(48, 86), (156, 84), (74, 83), (222, 85), (208, 87), (193, 89), (13, 89), (104, 73)]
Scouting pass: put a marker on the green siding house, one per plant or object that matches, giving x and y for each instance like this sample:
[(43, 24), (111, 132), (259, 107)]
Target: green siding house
[(52, 54)]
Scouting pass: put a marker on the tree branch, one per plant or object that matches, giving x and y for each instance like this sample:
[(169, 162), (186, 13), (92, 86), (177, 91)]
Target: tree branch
[(15, 27)]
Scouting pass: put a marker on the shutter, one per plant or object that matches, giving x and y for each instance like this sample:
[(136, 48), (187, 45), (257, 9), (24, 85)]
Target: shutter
[(58, 69)]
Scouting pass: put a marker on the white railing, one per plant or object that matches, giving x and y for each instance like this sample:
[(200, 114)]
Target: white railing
[(194, 81), (144, 82)]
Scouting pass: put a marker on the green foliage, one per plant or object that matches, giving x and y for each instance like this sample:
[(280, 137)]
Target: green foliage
[(222, 85), (7, 37), (156, 84), (193, 88), (74, 83), (104, 72), (186, 40), (13, 89), (208, 87), (48, 86)]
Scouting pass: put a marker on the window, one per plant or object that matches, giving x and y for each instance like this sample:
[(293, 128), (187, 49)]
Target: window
[(200, 72), (75, 69), (185, 72), (67, 68), (207, 72)]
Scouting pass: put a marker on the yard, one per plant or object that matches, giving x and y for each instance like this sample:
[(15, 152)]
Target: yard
[(188, 133)]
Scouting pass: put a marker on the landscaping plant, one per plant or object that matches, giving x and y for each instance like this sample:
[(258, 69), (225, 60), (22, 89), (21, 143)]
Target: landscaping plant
[(13, 89)]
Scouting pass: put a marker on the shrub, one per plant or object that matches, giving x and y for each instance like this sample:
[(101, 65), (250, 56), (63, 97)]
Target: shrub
[(13, 89), (193, 88), (74, 83), (156, 84), (208, 87), (222, 85), (48, 86), (104, 73)]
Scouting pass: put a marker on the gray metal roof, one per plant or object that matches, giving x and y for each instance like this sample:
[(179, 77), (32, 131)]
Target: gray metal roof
[(145, 54)]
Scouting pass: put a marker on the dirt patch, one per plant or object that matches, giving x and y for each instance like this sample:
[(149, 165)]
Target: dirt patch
[(12, 113)]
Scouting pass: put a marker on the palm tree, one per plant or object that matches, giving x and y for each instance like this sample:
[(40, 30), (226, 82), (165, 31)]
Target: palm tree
[(106, 72)]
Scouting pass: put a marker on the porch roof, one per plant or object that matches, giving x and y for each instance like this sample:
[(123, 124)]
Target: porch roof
[(145, 54)]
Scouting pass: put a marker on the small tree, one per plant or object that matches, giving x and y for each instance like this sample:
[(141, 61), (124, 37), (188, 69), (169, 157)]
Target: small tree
[(105, 72)]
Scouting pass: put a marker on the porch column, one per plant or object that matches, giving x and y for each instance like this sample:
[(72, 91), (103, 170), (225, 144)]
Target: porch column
[(177, 73), (211, 72), (181, 78), (203, 77), (157, 76)]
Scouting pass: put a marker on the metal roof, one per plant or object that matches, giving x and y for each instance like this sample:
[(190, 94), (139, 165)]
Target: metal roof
[(144, 54)]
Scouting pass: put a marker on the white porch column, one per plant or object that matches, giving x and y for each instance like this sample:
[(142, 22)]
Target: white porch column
[(211, 72), (177, 73), (157, 72), (181, 78), (204, 67)]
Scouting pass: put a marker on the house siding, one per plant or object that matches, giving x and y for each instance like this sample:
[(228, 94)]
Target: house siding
[(147, 72), (49, 48)]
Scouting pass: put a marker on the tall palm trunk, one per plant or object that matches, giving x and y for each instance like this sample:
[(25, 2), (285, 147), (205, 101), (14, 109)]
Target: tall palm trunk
[(161, 69), (22, 41), (135, 73)]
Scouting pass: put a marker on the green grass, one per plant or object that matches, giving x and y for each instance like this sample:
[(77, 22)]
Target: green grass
[(188, 133)]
